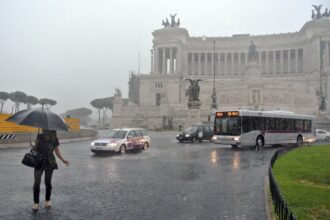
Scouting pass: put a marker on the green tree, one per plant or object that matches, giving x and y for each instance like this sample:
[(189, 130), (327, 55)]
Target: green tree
[(31, 100), (46, 103), (17, 97), (81, 113), (98, 104), (4, 96)]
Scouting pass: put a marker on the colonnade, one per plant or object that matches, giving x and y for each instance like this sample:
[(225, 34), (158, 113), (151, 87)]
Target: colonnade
[(234, 63), (166, 60)]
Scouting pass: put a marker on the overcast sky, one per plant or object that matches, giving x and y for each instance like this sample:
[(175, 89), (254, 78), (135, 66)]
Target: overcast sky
[(74, 51)]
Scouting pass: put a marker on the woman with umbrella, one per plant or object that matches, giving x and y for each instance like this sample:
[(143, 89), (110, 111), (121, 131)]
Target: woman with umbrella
[(46, 144)]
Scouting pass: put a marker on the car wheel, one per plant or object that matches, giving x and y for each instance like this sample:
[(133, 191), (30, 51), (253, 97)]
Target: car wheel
[(122, 149), (145, 146), (327, 139)]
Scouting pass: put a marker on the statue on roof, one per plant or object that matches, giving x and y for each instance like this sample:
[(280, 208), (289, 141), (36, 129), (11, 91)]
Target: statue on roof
[(318, 11), (173, 23)]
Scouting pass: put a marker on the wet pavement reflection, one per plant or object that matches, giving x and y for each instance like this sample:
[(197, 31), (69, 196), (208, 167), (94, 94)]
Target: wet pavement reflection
[(168, 181)]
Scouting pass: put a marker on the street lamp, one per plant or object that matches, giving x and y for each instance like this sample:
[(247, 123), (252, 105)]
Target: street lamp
[(214, 94)]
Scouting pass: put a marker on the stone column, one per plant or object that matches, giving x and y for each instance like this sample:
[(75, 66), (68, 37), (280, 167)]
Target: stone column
[(213, 63), (232, 63), (267, 63), (193, 64), (206, 60), (246, 60), (274, 61), (152, 61), (164, 61), (178, 65), (171, 61), (156, 60), (226, 67), (199, 64), (239, 63), (327, 54), (297, 60), (289, 61), (281, 61)]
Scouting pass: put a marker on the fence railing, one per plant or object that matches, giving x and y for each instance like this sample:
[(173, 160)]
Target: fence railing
[(281, 207)]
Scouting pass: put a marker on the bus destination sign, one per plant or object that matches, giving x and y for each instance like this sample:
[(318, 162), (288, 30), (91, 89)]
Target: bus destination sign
[(227, 114)]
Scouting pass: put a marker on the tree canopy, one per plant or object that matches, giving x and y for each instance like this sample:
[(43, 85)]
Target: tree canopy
[(79, 112), (31, 100), (17, 97), (4, 96), (47, 102)]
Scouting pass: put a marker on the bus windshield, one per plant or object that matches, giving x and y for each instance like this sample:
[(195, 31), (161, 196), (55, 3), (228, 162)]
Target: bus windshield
[(227, 126)]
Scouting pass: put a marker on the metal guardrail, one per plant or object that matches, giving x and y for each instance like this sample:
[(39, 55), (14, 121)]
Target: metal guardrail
[(281, 207)]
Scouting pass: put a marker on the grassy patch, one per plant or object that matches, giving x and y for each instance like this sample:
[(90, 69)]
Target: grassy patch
[(303, 176)]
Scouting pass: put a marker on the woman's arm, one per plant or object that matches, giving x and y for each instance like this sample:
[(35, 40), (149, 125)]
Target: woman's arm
[(59, 155)]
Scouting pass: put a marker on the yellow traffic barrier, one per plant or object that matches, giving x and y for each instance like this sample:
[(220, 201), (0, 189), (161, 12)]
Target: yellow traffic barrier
[(10, 127)]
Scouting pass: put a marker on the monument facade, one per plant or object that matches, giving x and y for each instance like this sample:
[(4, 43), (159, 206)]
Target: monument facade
[(286, 71)]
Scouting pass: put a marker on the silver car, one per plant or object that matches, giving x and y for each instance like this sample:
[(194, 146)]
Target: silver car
[(322, 135), (121, 140)]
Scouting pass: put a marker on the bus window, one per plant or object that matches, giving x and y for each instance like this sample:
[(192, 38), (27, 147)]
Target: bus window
[(290, 125), (283, 124), (307, 126), (299, 125)]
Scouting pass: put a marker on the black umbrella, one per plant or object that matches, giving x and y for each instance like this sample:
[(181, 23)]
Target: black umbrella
[(39, 118)]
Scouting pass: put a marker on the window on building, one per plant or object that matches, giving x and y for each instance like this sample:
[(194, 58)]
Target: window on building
[(158, 97)]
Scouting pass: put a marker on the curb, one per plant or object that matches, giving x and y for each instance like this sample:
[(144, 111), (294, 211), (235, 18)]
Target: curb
[(268, 200), (63, 141)]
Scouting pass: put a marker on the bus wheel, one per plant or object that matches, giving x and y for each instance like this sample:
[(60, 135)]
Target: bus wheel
[(300, 141), (259, 143)]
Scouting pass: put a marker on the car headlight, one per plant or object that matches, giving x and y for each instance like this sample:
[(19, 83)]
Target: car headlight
[(177, 135), (214, 138), (187, 135), (93, 143)]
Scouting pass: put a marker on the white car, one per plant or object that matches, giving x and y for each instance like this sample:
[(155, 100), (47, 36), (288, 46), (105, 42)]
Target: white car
[(121, 140), (322, 135)]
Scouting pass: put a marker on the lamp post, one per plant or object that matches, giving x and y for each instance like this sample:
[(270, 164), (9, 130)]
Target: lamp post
[(214, 94)]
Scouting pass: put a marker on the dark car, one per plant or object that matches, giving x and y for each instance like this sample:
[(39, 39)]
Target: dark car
[(194, 133)]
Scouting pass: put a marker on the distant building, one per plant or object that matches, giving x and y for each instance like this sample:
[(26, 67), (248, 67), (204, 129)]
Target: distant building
[(288, 71)]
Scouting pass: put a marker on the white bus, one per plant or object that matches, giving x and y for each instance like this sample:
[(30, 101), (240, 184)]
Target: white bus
[(259, 128)]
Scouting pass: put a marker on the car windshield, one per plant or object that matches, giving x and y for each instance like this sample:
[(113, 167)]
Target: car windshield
[(191, 129), (118, 134)]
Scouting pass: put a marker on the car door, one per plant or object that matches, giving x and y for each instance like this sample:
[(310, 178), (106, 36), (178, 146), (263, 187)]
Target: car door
[(207, 132), (139, 139), (131, 140)]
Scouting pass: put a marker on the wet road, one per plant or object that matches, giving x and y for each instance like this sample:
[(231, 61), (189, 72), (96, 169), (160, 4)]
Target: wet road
[(168, 181)]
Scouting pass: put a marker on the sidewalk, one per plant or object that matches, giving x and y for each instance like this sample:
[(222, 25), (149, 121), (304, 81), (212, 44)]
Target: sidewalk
[(62, 141)]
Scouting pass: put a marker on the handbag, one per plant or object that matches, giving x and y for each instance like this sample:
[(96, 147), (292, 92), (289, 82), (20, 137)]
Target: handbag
[(32, 159)]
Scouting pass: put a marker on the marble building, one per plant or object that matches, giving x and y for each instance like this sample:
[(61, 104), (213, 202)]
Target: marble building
[(290, 71)]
